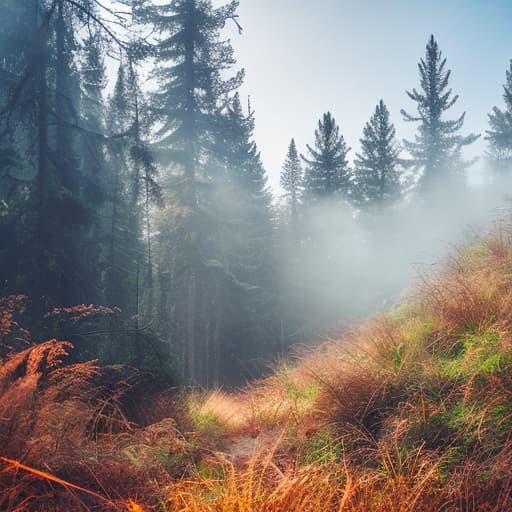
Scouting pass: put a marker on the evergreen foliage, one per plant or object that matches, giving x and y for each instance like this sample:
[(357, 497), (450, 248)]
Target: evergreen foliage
[(213, 249), (245, 242), (292, 180), (377, 166), (327, 170), (499, 135), (436, 149)]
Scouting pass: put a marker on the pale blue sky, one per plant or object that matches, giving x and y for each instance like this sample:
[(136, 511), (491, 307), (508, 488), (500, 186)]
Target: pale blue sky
[(303, 58)]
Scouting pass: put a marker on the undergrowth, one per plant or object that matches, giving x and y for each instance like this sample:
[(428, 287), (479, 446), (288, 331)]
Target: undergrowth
[(411, 411)]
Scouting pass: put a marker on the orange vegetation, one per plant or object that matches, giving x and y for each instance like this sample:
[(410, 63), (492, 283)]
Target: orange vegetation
[(409, 412)]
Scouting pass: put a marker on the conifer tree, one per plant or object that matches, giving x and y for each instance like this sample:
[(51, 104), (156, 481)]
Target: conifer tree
[(436, 150), (292, 177), (144, 187), (121, 257), (327, 170), (47, 91), (248, 177), (499, 135), (192, 61), (61, 215), (377, 174), (92, 163), (249, 232), (20, 43), (93, 81)]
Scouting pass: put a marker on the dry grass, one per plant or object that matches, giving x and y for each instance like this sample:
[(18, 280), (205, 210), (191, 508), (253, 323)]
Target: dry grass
[(409, 412), (413, 409)]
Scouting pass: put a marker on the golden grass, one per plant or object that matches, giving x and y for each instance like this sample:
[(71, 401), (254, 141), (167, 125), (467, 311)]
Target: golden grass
[(52, 478)]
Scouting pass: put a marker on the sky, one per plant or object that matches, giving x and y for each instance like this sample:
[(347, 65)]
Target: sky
[(304, 58)]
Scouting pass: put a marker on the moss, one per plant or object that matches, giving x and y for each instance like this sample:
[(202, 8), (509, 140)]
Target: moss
[(483, 476), (493, 364), (450, 367), (496, 426), (500, 413), (459, 423), (408, 353), (399, 315)]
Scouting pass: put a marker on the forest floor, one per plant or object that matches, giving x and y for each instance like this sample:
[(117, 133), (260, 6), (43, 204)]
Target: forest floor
[(411, 411)]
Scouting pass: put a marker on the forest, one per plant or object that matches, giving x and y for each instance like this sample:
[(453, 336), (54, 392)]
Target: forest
[(176, 334)]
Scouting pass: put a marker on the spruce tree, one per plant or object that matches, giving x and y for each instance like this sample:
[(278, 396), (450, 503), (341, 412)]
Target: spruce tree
[(93, 82), (76, 195), (122, 235), (17, 19), (499, 135), (144, 188), (20, 45), (377, 173), (291, 229), (292, 178), (436, 150), (242, 243), (256, 255), (92, 161), (327, 171), (45, 90), (191, 64)]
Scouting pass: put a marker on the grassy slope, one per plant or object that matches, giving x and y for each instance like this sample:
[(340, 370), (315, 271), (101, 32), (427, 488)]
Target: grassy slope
[(411, 411)]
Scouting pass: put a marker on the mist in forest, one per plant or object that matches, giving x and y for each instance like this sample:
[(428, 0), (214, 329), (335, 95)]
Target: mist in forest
[(358, 264)]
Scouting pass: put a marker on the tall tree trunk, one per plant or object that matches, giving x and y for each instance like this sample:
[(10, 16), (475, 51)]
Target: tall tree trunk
[(135, 199), (191, 311), (111, 285), (216, 335), (149, 260), (189, 292), (62, 106), (42, 122)]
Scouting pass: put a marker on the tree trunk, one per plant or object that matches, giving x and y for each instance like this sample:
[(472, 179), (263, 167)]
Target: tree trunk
[(42, 121)]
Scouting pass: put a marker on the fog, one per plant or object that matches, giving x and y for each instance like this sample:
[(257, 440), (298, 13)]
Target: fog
[(355, 264)]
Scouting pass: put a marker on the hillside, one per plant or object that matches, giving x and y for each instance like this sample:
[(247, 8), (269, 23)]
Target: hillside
[(410, 411)]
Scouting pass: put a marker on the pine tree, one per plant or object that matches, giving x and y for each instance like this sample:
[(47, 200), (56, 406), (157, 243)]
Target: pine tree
[(291, 290), (499, 136), (92, 161), (93, 81), (377, 166), (436, 150), (122, 235), (16, 39), (327, 171), (58, 218), (145, 189), (22, 54), (76, 196), (251, 261), (292, 177), (249, 178), (191, 61)]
